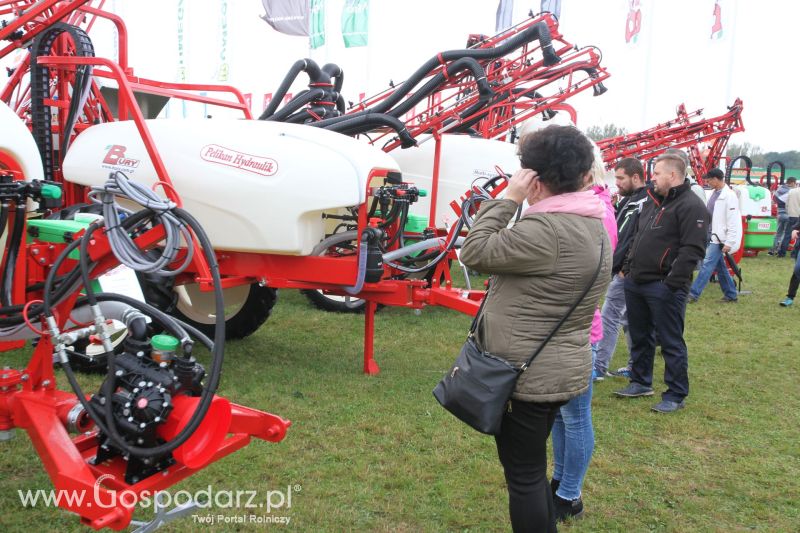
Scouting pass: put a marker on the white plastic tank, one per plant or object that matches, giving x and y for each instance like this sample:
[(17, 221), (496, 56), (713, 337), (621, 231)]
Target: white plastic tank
[(254, 186), (754, 200), (463, 159), (18, 146)]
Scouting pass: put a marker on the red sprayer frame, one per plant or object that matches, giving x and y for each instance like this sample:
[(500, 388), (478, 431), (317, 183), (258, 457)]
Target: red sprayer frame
[(688, 131)]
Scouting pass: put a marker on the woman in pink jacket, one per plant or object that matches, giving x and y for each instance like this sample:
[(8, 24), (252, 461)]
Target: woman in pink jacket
[(573, 434)]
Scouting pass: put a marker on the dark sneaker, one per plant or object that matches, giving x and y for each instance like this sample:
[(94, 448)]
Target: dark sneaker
[(554, 483), (667, 406), (691, 300), (566, 509), (634, 390), (727, 300)]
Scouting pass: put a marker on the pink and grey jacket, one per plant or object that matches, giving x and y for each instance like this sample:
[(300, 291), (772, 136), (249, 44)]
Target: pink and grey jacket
[(595, 203)]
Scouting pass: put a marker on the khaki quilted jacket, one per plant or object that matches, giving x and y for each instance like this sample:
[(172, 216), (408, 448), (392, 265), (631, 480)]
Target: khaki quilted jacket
[(539, 268)]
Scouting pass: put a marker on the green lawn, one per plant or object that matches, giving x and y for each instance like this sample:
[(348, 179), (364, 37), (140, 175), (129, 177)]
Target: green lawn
[(379, 454)]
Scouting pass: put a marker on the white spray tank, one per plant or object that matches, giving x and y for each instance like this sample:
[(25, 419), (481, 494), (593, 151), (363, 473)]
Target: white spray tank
[(255, 186), (17, 145), (463, 159)]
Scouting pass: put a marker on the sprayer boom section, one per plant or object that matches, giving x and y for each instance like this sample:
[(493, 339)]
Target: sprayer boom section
[(704, 139), (486, 89)]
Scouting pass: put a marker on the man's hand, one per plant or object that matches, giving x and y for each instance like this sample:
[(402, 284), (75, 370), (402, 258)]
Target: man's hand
[(520, 184), (726, 249), (795, 233)]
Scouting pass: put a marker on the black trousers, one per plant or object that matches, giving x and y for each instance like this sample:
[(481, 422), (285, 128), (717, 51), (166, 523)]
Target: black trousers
[(654, 308), (522, 448)]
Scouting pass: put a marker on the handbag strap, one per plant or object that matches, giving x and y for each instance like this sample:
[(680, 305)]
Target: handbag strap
[(571, 309), (480, 308)]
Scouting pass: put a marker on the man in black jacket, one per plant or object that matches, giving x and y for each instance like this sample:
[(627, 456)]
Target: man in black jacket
[(629, 175), (670, 239)]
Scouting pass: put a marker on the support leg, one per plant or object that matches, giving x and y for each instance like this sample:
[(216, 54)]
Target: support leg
[(370, 366)]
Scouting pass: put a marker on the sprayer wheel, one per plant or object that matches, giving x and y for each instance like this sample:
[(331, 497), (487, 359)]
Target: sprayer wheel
[(247, 307), (334, 303)]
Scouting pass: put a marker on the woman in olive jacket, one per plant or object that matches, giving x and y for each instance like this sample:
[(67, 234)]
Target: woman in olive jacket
[(540, 266)]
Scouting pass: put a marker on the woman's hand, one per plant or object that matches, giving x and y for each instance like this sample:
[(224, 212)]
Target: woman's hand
[(519, 186)]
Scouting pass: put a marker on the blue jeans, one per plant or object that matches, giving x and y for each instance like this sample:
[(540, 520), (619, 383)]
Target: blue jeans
[(653, 307), (780, 233), (573, 442), (714, 260), (613, 314), (787, 237)]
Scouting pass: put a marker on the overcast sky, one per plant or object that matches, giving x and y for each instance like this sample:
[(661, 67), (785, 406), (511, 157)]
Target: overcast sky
[(674, 59)]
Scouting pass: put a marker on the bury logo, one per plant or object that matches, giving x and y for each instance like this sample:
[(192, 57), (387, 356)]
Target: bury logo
[(116, 157), (214, 153)]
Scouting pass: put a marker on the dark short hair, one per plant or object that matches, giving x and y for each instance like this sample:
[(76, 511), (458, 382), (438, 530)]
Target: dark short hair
[(791, 179), (630, 166), (714, 173), (561, 155)]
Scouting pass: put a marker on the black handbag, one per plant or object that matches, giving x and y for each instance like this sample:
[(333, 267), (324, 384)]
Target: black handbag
[(479, 385)]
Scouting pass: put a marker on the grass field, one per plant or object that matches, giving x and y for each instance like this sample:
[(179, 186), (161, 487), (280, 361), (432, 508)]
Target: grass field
[(379, 454)]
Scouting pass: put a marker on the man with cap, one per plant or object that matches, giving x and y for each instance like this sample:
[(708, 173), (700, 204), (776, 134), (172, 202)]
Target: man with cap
[(725, 236)]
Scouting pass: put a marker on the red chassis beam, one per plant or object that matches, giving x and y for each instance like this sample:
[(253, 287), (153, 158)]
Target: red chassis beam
[(69, 460)]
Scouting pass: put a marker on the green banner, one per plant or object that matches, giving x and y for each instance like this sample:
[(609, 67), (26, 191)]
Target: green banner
[(317, 30), (355, 23)]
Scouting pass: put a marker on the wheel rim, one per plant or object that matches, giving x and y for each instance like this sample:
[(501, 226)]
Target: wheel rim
[(199, 306), (347, 301), (118, 334)]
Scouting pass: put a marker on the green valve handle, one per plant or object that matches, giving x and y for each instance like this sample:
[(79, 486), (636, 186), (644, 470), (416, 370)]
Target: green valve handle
[(51, 191), (423, 193)]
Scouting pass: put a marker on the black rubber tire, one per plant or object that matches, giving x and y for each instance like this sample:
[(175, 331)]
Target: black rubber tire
[(255, 310)]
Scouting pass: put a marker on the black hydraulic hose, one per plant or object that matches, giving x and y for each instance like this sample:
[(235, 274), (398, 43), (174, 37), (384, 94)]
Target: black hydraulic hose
[(729, 170), (11, 257), (300, 117), (83, 259), (540, 31), (297, 103), (469, 118), (598, 88), (370, 121), (208, 391), (340, 105), (216, 366), (298, 67), (336, 73), (4, 207), (83, 84), (465, 63), (308, 66), (769, 172), (453, 68), (547, 114)]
